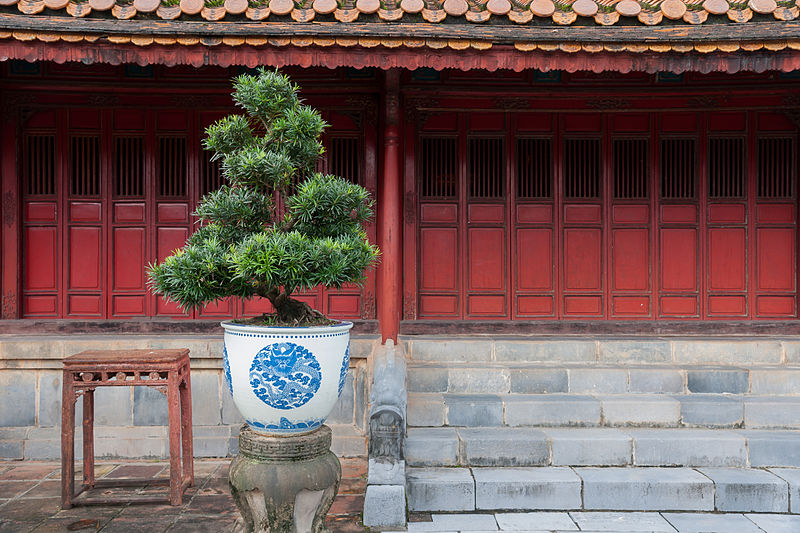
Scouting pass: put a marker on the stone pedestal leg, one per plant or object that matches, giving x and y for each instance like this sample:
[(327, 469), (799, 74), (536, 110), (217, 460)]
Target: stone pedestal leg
[(284, 484)]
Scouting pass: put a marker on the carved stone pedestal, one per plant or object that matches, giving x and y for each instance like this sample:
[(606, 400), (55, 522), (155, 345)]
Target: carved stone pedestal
[(284, 484)]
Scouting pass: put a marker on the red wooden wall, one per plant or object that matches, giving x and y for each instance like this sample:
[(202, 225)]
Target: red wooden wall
[(670, 215), (107, 191)]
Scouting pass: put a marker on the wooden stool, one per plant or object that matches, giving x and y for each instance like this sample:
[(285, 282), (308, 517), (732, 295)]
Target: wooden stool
[(168, 370)]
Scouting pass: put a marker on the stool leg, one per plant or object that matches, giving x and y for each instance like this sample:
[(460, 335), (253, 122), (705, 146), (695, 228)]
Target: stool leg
[(88, 437), (67, 441), (173, 403), (186, 428)]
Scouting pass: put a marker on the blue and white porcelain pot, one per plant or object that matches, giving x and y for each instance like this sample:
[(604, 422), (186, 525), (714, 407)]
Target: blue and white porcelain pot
[(286, 381)]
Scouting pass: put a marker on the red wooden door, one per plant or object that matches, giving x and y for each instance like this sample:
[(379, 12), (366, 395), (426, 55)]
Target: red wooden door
[(616, 216), (108, 191)]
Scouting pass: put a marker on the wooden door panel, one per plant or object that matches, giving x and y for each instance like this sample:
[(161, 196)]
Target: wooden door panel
[(487, 259), (727, 305), (678, 259), (85, 253), (129, 259), (776, 250), (535, 305), (535, 259), (582, 259), (630, 258), (85, 305), (438, 305), (486, 305), (128, 305), (776, 306), (438, 250), (39, 260), (630, 306), (583, 305), (727, 259)]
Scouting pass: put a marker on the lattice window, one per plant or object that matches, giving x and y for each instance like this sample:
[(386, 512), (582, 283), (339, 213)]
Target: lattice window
[(582, 168), (776, 167), (438, 167), (211, 177), (85, 165), (534, 168), (678, 169), (486, 168), (39, 168), (630, 168), (172, 166), (344, 160), (726, 167), (129, 166)]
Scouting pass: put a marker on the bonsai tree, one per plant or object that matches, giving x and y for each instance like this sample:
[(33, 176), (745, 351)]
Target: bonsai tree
[(277, 226)]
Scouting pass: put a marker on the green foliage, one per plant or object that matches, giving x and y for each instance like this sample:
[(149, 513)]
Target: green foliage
[(244, 246)]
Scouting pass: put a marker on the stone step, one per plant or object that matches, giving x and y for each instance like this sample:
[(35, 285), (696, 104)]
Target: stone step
[(495, 447), (603, 489), (742, 350), (536, 378), (606, 410)]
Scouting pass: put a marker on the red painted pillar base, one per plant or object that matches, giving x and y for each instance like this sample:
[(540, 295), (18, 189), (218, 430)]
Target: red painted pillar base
[(390, 209)]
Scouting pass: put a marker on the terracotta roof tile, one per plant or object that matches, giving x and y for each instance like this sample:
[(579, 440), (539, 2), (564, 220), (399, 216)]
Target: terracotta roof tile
[(560, 12)]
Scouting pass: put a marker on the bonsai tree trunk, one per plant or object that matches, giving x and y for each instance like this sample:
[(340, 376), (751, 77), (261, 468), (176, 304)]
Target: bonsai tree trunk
[(291, 311)]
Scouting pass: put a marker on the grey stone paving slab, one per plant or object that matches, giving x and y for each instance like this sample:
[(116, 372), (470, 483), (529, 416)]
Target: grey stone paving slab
[(545, 350), (727, 351), (650, 351), (605, 521), (775, 523), (526, 488), (718, 381), (425, 409), (711, 410), (656, 380), (640, 410), (535, 521), (465, 522), (773, 448), (440, 489), (688, 447), (600, 380), (791, 476), (474, 410), (427, 379), (552, 410), (384, 506), (478, 380), (775, 381), (432, 446), (424, 526), (504, 447), (764, 412), (711, 523), (748, 490), (539, 380), (450, 350), (589, 446), (646, 489)]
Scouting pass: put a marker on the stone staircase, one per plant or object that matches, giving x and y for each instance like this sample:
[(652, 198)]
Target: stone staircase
[(694, 424)]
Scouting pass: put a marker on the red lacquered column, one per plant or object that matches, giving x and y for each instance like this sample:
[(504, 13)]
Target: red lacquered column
[(390, 206)]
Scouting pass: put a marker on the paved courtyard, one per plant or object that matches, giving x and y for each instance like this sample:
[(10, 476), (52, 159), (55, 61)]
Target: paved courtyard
[(30, 502), (30, 498)]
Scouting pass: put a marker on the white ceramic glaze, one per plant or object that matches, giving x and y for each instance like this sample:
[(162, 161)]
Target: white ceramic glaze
[(286, 380)]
